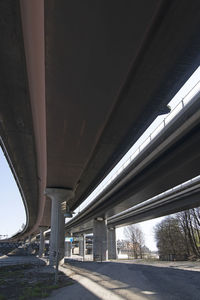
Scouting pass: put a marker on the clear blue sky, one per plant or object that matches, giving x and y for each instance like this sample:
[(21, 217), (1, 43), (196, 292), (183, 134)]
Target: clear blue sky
[(12, 213)]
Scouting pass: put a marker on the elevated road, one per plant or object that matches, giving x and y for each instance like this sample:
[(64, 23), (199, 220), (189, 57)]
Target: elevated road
[(185, 197), (80, 82), (170, 159)]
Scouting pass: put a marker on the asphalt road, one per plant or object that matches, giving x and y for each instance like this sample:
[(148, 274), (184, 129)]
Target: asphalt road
[(128, 280)]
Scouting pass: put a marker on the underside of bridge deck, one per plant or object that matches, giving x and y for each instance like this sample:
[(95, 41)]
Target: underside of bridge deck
[(80, 82)]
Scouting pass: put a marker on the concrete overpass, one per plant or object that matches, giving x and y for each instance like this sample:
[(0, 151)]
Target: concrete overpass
[(184, 195), (170, 158), (187, 195), (169, 202), (79, 84)]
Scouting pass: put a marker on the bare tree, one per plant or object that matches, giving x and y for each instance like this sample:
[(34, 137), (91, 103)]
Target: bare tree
[(170, 239), (135, 235), (178, 236), (189, 221)]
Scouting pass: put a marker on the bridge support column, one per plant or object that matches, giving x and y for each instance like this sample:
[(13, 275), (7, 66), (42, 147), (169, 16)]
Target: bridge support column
[(57, 238), (112, 246), (82, 246), (29, 239), (68, 249), (29, 245), (100, 247), (68, 245), (41, 246)]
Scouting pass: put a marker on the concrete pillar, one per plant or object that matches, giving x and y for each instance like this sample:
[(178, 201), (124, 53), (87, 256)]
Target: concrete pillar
[(112, 245), (29, 245), (68, 244), (29, 239), (57, 238), (82, 246), (100, 247), (42, 239), (68, 249)]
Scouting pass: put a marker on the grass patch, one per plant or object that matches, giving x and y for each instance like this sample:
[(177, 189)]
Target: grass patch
[(42, 290), (34, 292), (28, 282)]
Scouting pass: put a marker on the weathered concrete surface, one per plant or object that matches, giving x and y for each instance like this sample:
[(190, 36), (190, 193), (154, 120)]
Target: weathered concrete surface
[(130, 280), (112, 245), (68, 249), (57, 237), (100, 243)]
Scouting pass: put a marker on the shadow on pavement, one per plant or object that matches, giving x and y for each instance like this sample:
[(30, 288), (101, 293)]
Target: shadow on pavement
[(150, 282)]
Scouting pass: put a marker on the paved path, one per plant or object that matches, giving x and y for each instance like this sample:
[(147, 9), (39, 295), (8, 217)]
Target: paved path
[(128, 280), (18, 260)]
